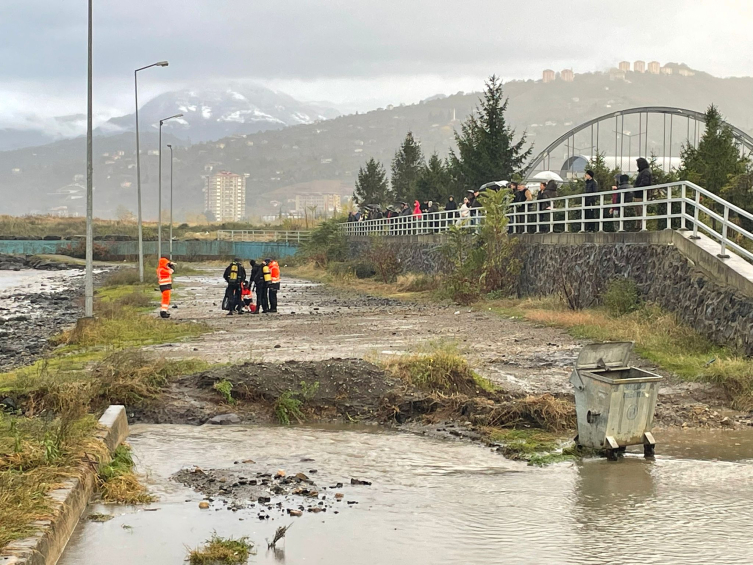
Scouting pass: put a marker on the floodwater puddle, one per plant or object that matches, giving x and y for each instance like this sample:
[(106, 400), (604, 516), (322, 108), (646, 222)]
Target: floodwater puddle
[(439, 501)]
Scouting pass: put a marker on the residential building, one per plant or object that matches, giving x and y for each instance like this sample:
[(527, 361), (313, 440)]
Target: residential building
[(666, 70), (567, 75), (686, 72), (639, 67), (325, 204), (653, 67), (624, 66), (225, 196), (548, 75), (616, 74)]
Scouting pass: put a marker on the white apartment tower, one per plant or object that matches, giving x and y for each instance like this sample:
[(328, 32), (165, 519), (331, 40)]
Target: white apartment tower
[(225, 196)]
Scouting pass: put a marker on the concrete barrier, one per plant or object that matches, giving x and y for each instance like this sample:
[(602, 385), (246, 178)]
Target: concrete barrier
[(69, 503)]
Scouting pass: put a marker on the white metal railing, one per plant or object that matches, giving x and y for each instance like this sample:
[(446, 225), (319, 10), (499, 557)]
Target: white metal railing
[(681, 205), (263, 235)]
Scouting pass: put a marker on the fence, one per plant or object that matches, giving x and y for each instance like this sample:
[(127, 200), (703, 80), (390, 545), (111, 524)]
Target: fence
[(263, 235), (681, 205)]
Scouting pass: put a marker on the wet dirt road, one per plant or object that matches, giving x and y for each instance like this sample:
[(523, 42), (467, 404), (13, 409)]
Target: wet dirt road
[(318, 323), (440, 501)]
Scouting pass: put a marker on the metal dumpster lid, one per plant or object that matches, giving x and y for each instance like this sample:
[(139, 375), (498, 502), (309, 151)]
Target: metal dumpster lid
[(611, 354)]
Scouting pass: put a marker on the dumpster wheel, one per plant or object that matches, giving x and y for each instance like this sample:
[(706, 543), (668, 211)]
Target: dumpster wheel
[(611, 454)]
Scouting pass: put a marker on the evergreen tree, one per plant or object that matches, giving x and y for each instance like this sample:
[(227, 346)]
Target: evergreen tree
[(406, 169), (435, 182), (716, 159), (371, 185), (487, 150), (739, 191)]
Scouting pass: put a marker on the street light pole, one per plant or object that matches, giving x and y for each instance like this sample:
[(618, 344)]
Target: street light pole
[(171, 201), (159, 191), (138, 163), (89, 275)]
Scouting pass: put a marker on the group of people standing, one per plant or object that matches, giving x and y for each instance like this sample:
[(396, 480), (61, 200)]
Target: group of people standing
[(264, 280)]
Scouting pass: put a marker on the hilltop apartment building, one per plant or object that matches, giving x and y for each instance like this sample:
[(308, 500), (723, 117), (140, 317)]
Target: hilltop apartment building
[(225, 196)]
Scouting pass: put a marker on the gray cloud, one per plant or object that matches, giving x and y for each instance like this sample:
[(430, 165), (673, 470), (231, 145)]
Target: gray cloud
[(353, 51)]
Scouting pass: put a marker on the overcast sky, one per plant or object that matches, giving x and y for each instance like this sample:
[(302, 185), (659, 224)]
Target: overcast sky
[(355, 54)]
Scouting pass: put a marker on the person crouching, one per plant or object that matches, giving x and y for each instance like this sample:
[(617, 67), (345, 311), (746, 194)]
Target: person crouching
[(247, 296)]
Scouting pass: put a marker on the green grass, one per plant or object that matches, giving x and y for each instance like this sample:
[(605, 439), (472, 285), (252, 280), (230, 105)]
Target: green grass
[(288, 407), (117, 481), (537, 447), (658, 336), (225, 388), (36, 455), (218, 550), (439, 369)]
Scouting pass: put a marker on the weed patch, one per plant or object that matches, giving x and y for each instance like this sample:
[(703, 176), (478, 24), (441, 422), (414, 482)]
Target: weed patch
[(287, 406), (221, 550), (440, 371), (225, 388), (118, 483)]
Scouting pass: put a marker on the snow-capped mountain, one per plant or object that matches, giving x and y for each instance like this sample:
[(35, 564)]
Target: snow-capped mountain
[(210, 114)]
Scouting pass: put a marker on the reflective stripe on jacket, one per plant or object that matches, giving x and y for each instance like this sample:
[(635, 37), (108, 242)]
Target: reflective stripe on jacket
[(274, 271)]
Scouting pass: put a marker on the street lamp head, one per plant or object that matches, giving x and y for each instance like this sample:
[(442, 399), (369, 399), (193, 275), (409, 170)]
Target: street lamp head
[(170, 146), (162, 64)]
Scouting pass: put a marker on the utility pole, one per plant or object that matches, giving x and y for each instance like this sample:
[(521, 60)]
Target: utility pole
[(89, 275), (159, 192), (171, 201), (138, 163)]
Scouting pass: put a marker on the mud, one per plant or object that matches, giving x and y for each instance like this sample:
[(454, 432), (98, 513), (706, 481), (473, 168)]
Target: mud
[(322, 334)]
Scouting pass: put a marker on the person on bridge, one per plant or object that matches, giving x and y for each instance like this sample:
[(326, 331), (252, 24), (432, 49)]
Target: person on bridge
[(234, 276), (274, 284), (165, 272), (643, 179), (546, 192), (591, 187)]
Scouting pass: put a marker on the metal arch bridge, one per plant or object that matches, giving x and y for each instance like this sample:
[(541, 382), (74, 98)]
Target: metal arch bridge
[(744, 140)]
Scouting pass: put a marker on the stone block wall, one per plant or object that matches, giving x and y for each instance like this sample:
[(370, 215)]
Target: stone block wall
[(417, 254), (663, 274)]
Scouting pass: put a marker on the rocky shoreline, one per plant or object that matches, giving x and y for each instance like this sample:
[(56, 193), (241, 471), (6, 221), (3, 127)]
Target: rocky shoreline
[(35, 305)]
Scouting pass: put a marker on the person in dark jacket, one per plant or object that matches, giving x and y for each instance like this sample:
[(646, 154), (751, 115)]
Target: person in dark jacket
[(591, 215), (256, 280), (546, 192), (451, 204), (625, 192), (234, 276), (643, 179)]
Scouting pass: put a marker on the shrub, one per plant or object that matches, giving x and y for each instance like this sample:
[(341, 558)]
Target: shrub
[(225, 388), (78, 251), (327, 243), (288, 406), (385, 261), (621, 297)]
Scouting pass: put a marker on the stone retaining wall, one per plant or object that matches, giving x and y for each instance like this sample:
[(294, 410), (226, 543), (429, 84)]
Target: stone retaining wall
[(416, 253)]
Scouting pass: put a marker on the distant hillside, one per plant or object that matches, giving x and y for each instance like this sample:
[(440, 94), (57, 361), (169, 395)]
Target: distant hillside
[(328, 154), (211, 114)]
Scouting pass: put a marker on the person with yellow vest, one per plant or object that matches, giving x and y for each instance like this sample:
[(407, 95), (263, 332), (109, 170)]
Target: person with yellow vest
[(165, 279), (263, 293), (274, 284)]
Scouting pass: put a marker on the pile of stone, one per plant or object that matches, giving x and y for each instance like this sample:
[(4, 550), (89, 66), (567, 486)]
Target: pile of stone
[(18, 262)]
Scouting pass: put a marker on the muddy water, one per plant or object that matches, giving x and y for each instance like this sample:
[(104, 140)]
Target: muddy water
[(439, 501)]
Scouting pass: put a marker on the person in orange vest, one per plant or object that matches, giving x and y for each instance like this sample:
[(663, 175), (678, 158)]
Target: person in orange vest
[(165, 278), (274, 284), (247, 296)]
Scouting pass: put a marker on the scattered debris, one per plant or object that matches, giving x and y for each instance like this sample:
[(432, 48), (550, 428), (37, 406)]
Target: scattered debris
[(97, 517), (279, 534)]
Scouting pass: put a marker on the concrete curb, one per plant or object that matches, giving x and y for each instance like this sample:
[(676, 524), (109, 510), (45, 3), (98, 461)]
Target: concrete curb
[(69, 503)]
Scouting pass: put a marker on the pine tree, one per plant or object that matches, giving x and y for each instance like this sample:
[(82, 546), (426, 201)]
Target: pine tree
[(371, 185), (406, 169), (487, 150), (435, 182), (716, 159)]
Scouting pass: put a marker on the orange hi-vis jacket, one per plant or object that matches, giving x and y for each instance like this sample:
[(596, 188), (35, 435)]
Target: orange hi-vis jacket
[(164, 273), (274, 271)]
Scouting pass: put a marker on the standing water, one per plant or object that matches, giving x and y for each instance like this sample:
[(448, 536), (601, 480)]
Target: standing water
[(440, 501)]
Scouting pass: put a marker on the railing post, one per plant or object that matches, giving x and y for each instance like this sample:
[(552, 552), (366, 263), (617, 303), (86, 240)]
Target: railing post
[(695, 215), (601, 212), (582, 214), (644, 210), (723, 252)]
